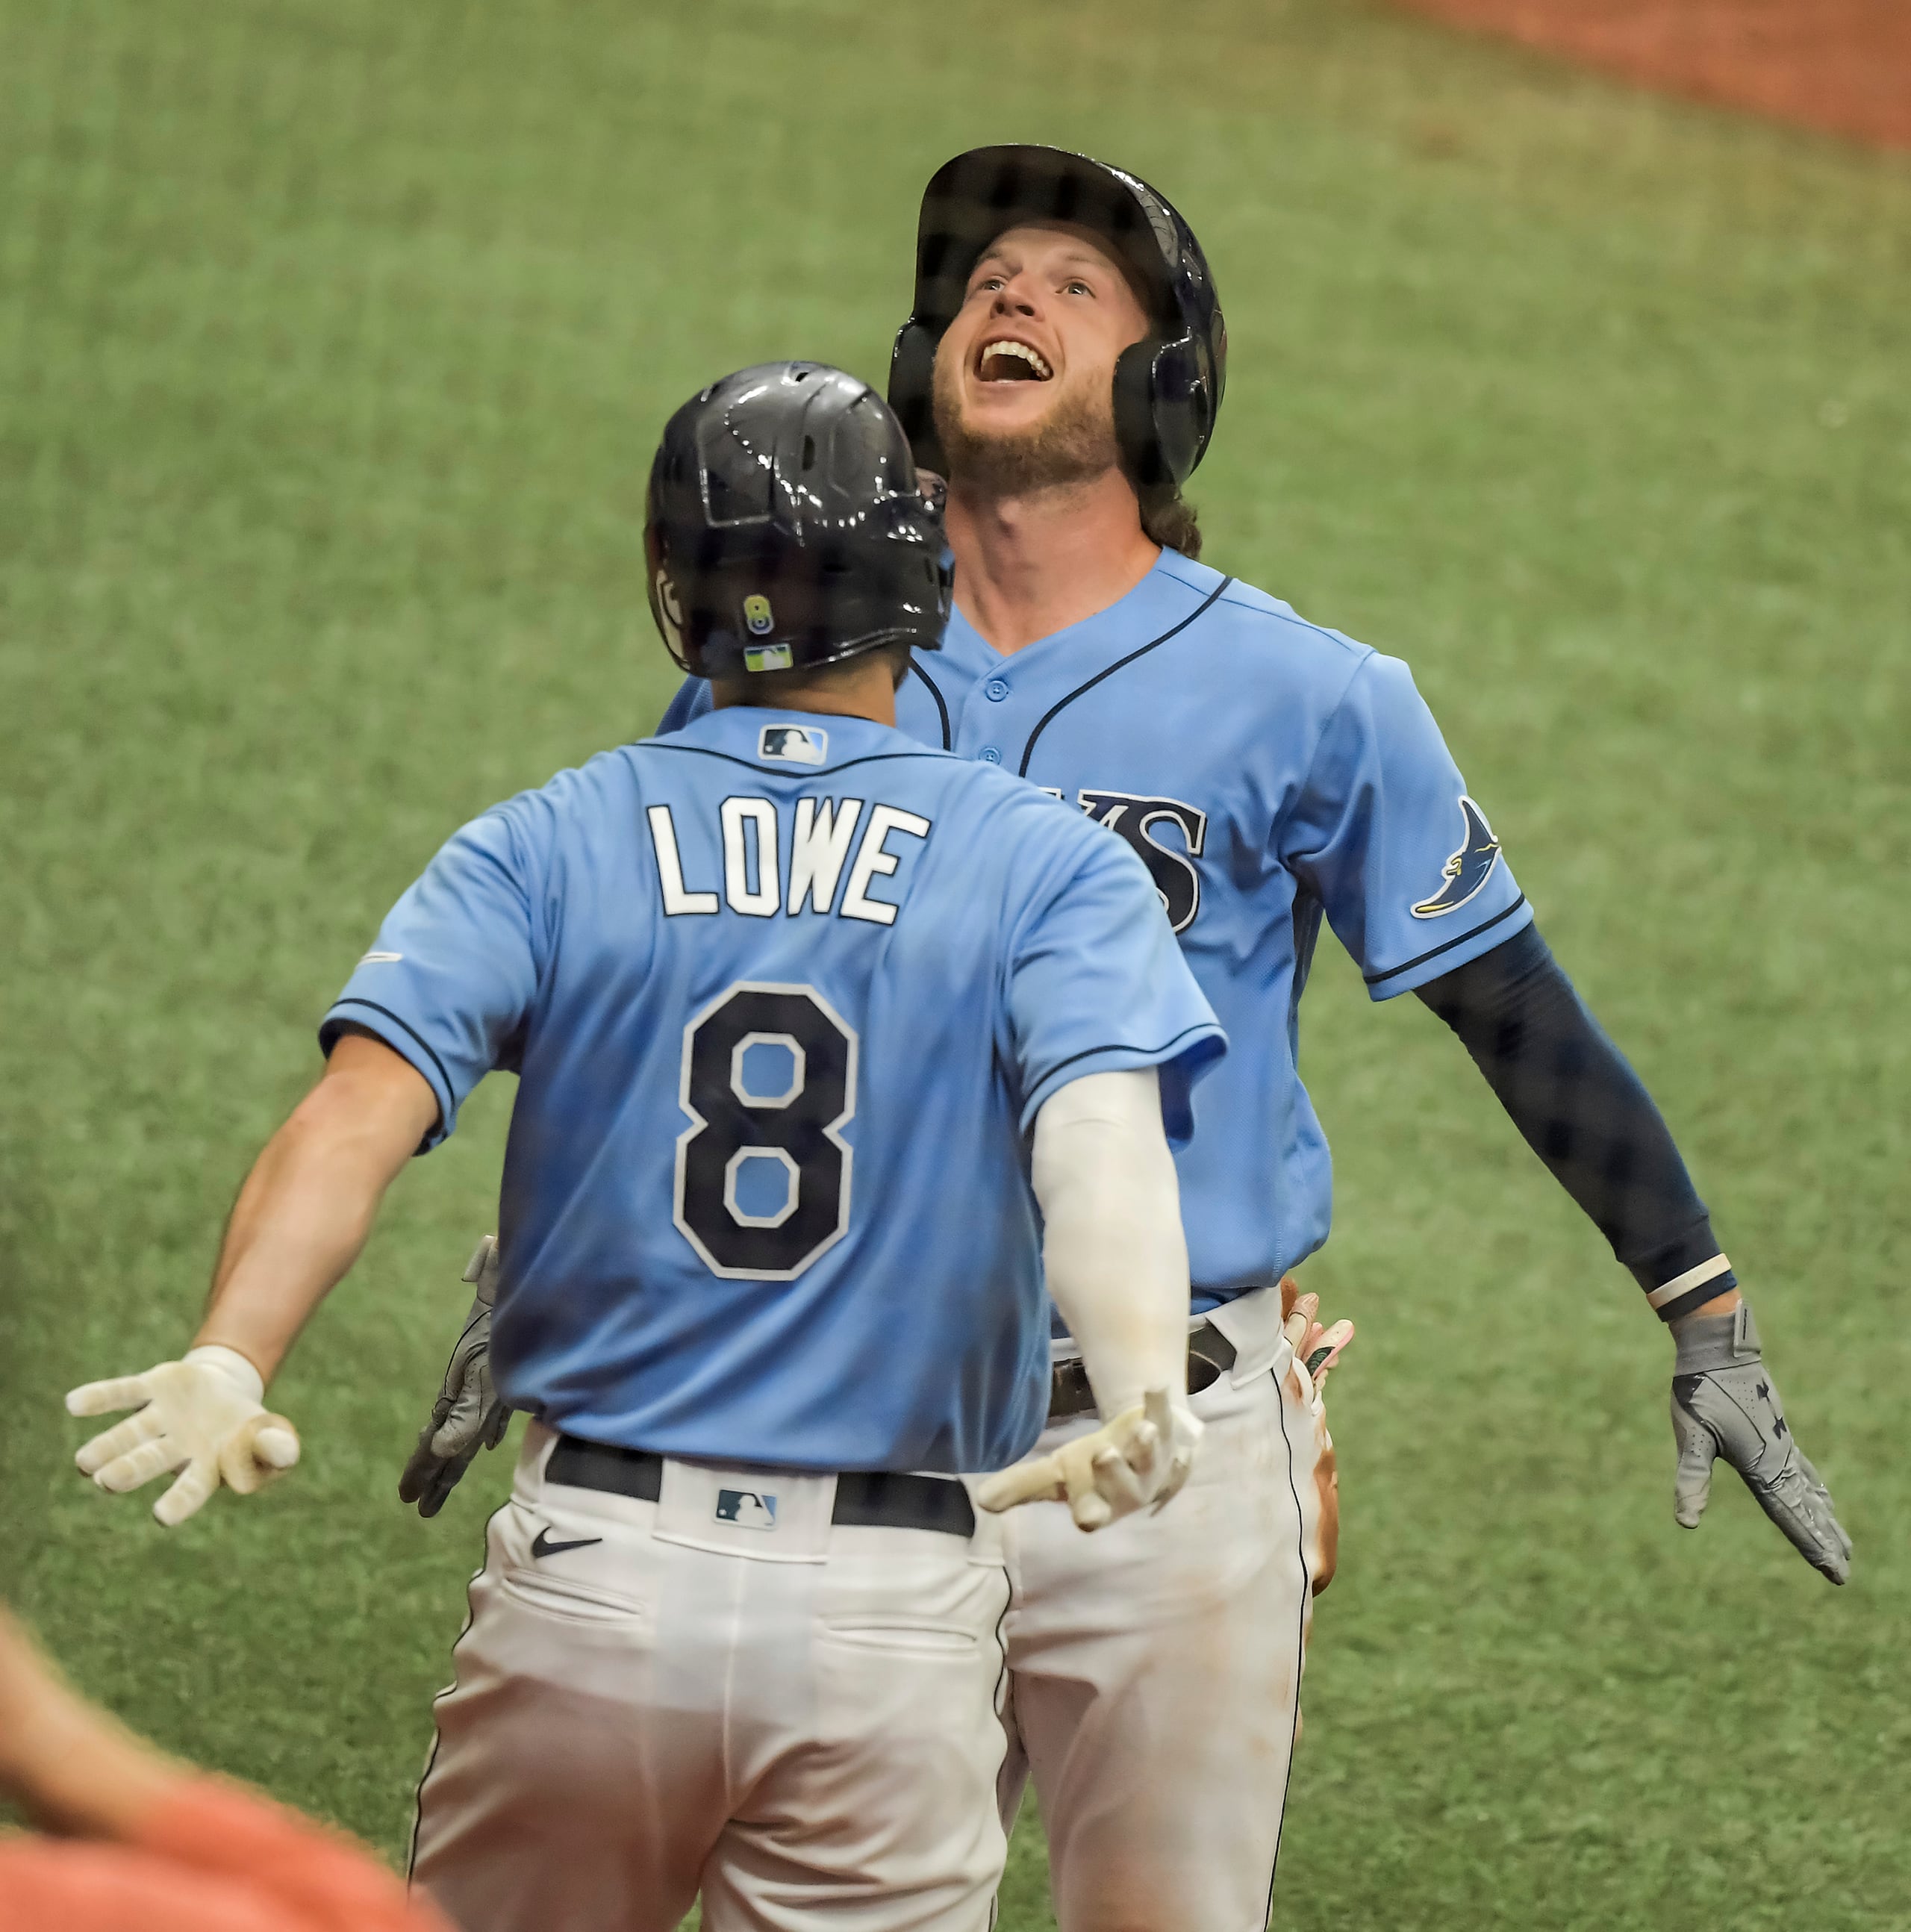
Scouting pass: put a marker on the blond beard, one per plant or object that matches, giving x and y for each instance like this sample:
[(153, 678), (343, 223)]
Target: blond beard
[(1074, 443)]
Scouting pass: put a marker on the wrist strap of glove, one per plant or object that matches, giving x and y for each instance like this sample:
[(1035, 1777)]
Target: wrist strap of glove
[(482, 1272), (1707, 1343), (231, 1365)]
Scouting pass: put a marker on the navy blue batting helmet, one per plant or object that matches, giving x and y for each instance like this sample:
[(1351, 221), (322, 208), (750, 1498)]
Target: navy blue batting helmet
[(785, 527), (1167, 387)]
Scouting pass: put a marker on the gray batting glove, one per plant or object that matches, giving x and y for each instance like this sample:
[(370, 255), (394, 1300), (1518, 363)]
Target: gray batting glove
[(1724, 1403), (468, 1415)]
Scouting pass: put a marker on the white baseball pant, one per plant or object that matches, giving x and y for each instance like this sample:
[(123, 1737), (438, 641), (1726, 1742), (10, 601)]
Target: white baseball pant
[(800, 1719), (1155, 1667)]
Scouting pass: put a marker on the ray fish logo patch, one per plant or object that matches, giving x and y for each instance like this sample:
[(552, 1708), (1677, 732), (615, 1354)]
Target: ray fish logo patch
[(1467, 870)]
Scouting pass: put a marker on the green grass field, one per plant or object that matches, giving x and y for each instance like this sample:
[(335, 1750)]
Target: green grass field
[(334, 341)]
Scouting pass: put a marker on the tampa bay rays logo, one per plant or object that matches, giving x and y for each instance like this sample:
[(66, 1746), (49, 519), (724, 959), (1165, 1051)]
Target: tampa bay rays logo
[(1467, 870), (1137, 819)]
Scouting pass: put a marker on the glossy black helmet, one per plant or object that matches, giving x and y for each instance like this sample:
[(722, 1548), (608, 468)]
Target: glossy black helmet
[(785, 528), (1167, 388)]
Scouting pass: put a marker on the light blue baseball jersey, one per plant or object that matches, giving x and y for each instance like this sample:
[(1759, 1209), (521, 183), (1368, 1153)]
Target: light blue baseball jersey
[(783, 995), (1267, 772)]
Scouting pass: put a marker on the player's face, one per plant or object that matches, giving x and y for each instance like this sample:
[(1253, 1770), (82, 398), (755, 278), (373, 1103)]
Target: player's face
[(1024, 375)]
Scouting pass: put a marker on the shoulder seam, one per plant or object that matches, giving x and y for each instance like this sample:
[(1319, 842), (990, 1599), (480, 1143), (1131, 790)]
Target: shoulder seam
[(1360, 650)]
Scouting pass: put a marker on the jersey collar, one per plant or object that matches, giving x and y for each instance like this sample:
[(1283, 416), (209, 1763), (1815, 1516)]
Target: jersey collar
[(1172, 586)]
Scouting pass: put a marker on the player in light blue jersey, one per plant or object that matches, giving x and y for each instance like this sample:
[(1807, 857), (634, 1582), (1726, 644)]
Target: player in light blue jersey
[(833, 1050), (1064, 367)]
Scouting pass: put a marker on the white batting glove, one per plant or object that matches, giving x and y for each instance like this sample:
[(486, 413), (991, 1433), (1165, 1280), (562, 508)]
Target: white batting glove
[(1142, 1457), (205, 1415)]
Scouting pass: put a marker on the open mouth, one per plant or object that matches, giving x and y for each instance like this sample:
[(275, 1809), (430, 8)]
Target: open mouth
[(1006, 360)]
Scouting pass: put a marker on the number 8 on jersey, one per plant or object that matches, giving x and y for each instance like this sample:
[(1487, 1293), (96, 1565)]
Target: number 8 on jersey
[(768, 1080)]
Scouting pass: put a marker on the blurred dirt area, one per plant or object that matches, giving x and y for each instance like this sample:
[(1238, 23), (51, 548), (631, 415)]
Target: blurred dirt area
[(1841, 66)]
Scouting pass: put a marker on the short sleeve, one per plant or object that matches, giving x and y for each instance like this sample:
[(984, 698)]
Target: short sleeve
[(1096, 983), (450, 977), (692, 701), (1386, 836)]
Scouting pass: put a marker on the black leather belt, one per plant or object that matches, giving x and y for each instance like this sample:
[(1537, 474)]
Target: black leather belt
[(1210, 1353), (871, 1498)]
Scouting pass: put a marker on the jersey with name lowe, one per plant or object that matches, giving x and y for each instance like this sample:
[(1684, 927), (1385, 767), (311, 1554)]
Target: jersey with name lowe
[(784, 995), (1267, 771)]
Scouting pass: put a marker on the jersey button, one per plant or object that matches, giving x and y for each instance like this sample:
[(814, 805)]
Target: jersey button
[(995, 689), (990, 755)]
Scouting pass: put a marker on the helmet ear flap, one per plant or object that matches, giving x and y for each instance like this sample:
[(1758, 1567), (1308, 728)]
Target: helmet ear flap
[(1162, 411), (912, 391), (1183, 411), (1135, 430)]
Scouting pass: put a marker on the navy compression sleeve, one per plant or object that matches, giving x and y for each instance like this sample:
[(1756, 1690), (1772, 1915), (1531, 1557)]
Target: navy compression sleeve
[(1587, 1114)]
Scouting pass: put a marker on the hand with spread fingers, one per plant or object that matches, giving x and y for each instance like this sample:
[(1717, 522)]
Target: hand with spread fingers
[(1724, 1404), (469, 1415), (1140, 1459), (205, 1415)]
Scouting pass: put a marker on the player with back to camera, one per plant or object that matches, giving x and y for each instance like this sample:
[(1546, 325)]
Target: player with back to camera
[(810, 1020), (1063, 367)]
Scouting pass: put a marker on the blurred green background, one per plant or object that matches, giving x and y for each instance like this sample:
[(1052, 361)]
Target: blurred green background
[(334, 341)]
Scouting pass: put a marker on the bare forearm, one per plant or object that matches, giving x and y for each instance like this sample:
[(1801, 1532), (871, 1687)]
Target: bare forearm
[(307, 1205), (71, 1767)]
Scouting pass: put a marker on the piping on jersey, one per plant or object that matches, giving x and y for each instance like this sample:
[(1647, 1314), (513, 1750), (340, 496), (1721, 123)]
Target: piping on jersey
[(1458, 939), (1062, 704), (372, 1007), (941, 703)]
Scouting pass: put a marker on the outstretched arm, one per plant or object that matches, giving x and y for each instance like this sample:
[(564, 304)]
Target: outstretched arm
[(307, 1206), (298, 1224), (1587, 1116)]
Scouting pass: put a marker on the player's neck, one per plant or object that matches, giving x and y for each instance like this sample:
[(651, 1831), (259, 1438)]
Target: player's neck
[(1027, 567), (865, 687)]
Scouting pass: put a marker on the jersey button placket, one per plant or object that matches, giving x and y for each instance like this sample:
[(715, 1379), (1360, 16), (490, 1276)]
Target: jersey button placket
[(995, 690)]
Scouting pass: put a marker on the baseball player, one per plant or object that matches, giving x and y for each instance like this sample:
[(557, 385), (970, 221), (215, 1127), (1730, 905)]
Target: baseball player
[(811, 1021), (1063, 367)]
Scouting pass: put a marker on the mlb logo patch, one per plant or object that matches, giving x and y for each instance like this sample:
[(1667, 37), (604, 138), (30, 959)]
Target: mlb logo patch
[(793, 744), (748, 1509)]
